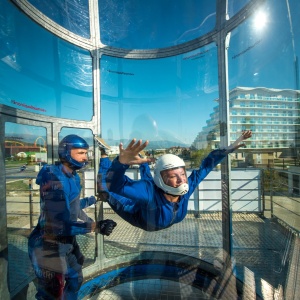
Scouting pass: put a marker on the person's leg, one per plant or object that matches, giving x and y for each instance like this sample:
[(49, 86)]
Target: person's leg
[(50, 284), (74, 277), (125, 208)]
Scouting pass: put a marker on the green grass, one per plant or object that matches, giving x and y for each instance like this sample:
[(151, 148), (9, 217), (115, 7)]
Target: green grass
[(16, 186)]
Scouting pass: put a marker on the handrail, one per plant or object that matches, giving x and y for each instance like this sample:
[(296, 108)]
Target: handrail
[(285, 197)]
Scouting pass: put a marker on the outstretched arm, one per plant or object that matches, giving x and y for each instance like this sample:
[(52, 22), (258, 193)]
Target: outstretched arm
[(238, 143), (130, 155)]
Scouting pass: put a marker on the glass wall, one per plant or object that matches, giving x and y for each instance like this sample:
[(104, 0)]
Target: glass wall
[(168, 102), (25, 153), (136, 25), (156, 71), (43, 73), (236, 5), (78, 20), (264, 97)]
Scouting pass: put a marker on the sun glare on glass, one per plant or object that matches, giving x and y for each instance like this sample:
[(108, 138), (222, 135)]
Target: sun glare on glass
[(260, 20)]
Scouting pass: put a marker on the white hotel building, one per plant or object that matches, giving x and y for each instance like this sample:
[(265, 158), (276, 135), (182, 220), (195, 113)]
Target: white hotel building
[(271, 114)]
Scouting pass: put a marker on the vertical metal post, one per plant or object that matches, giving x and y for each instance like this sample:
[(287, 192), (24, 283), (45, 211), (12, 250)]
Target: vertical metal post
[(96, 56), (271, 190), (262, 190), (197, 203), (30, 203), (223, 45)]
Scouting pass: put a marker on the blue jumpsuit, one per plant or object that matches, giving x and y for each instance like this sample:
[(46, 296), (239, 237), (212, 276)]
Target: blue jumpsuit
[(52, 246), (125, 208), (143, 204)]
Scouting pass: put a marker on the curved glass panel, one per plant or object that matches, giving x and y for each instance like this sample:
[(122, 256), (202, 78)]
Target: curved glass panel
[(158, 99), (168, 102), (70, 14), (25, 151), (235, 6), (254, 47), (150, 288), (264, 97), (174, 103), (156, 24), (43, 74)]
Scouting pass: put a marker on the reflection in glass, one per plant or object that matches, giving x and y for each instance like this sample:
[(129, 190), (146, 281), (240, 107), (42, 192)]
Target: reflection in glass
[(25, 144), (77, 12), (260, 57), (166, 101), (25, 152), (264, 98), (144, 25), (52, 77), (235, 6)]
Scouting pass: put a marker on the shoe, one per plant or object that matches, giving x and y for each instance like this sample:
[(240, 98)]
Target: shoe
[(101, 143)]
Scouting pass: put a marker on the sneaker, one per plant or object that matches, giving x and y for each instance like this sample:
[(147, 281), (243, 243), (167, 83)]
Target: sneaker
[(101, 143)]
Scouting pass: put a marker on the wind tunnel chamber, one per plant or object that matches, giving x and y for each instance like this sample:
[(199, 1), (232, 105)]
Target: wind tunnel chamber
[(189, 76)]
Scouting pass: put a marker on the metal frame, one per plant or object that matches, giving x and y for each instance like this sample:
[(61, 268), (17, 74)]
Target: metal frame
[(220, 35)]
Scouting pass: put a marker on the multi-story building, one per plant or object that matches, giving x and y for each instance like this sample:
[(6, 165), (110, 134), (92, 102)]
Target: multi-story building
[(271, 114)]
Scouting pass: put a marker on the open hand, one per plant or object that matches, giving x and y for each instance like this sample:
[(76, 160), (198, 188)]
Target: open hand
[(130, 155), (246, 134)]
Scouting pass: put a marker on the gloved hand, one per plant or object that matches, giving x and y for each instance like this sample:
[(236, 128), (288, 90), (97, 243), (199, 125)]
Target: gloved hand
[(103, 196), (105, 227)]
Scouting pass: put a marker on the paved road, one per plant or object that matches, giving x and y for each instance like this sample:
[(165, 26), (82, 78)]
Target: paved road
[(14, 173)]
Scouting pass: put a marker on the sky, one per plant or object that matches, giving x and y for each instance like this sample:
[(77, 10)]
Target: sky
[(157, 99)]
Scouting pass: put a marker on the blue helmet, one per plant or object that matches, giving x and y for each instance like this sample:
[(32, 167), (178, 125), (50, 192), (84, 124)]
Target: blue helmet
[(64, 150)]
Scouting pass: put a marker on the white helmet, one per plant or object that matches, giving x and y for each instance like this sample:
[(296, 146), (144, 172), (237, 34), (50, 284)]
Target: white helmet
[(167, 162)]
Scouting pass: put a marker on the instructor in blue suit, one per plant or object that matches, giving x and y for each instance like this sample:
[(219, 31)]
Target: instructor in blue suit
[(52, 246)]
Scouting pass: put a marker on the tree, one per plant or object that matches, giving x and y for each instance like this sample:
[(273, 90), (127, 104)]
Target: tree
[(197, 157)]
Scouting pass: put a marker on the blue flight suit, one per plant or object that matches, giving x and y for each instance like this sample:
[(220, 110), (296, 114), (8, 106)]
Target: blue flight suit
[(143, 204), (52, 245), (125, 208)]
